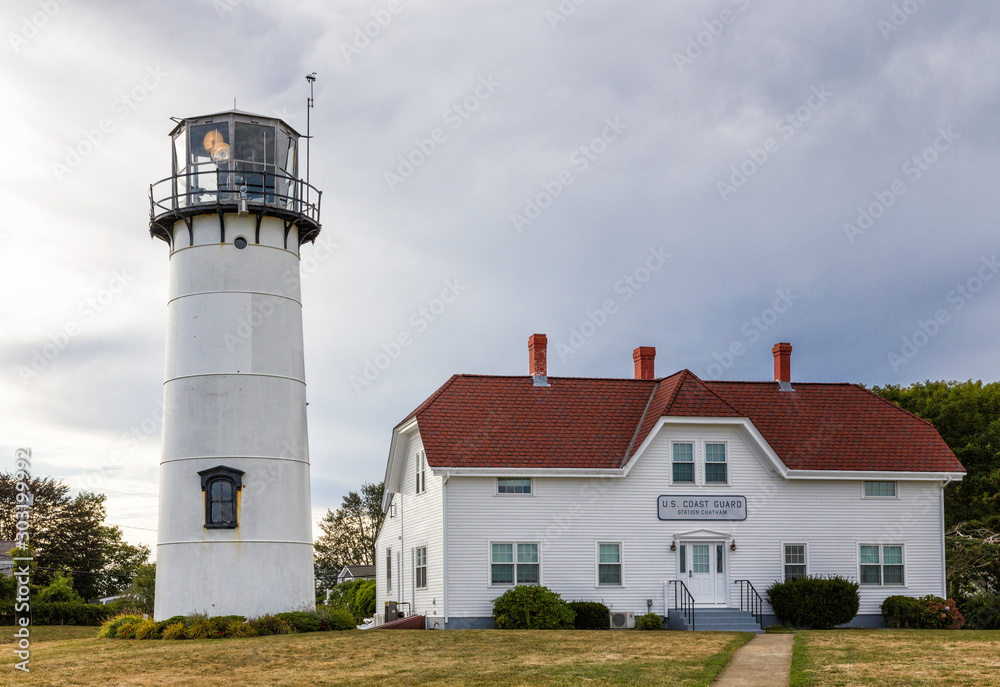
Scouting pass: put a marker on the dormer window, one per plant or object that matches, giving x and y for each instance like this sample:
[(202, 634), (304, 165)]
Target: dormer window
[(221, 486)]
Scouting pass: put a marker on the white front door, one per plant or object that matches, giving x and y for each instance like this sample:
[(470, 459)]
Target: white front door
[(702, 568)]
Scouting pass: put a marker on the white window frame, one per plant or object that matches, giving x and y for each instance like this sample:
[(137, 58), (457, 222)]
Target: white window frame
[(705, 463), (864, 490), (421, 470), (531, 488), (882, 564), (515, 563), (694, 462), (417, 567), (597, 564), (805, 545)]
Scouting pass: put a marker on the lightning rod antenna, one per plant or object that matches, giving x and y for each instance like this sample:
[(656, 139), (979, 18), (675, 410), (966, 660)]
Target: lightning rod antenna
[(311, 78)]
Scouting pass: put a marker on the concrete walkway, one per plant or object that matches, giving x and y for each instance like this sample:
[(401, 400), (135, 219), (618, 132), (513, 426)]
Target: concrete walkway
[(764, 661)]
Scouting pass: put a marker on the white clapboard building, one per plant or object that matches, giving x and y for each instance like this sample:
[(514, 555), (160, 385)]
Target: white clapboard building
[(677, 495)]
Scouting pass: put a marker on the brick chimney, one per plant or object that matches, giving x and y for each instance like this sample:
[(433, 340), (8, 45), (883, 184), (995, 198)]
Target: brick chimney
[(643, 358), (783, 364), (537, 356)]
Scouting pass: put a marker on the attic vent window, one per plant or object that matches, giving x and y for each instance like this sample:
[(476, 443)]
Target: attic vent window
[(513, 485)]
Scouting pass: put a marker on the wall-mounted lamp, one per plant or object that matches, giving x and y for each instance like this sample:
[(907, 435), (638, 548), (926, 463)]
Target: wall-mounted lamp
[(732, 545), (673, 546)]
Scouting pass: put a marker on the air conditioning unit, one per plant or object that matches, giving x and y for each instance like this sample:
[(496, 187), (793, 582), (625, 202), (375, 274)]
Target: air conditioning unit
[(624, 620)]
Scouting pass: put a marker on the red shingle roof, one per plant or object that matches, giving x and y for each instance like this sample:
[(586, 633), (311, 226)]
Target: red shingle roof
[(507, 422)]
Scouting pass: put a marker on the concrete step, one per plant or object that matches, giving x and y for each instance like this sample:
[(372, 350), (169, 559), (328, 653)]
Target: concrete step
[(717, 620)]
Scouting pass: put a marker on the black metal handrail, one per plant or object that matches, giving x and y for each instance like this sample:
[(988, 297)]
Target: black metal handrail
[(751, 601), (685, 602), (259, 187)]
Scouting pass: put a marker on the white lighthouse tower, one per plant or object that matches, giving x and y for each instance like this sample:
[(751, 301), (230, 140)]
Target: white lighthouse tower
[(235, 530)]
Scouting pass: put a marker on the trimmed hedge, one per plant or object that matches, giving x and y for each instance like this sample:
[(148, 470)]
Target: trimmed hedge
[(650, 621), (200, 626), (815, 602), (59, 613), (590, 615), (532, 607), (926, 613)]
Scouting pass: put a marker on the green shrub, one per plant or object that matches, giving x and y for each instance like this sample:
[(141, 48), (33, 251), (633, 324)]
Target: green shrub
[(926, 613), (981, 612), (174, 631), (147, 629), (650, 621), (118, 626), (199, 627), (220, 624), (240, 628), (531, 607), (270, 625), (302, 621), (335, 618), (364, 601), (814, 602), (590, 615), (164, 624)]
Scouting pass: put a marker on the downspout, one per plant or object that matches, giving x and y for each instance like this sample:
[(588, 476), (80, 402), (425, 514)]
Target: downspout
[(400, 592), (944, 564), (444, 547)]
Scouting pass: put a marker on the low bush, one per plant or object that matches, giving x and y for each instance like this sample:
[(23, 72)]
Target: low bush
[(147, 629), (590, 615), (174, 631), (302, 621), (650, 621), (240, 628), (981, 612), (163, 624), (335, 618), (531, 607), (199, 627), (926, 613), (121, 626), (270, 625), (815, 602)]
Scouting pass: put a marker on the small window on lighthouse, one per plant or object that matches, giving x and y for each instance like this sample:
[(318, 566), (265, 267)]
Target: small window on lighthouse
[(240, 242), (221, 486)]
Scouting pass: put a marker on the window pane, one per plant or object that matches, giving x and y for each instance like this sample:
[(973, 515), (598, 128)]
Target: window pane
[(683, 453), (870, 574), (715, 453), (609, 553), (892, 555), (503, 574), (527, 573), (511, 485), (893, 574), (795, 554), (527, 553), (609, 574), (227, 512), (880, 489), (683, 472), (216, 512), (503, 553), (715, 472), (683, 561), (794, 572), (869, 555), (718, 558), (699, 558)]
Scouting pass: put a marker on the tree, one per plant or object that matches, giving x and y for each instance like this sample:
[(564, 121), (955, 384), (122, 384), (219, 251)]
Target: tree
[(967, 416), (143, 587), (68, 534), (349, 534)]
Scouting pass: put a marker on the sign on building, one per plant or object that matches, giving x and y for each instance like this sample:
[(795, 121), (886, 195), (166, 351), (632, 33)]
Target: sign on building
[(701, 507)]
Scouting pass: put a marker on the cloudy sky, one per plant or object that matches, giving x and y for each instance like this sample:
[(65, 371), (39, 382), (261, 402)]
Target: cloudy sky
[(707, 177)]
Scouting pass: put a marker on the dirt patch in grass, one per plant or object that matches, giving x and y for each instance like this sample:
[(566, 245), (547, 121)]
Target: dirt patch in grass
[(899, 657), (454, 657)]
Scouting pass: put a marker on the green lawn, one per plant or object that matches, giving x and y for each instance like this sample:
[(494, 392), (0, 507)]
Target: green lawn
[(382, 657), (885, 658)]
